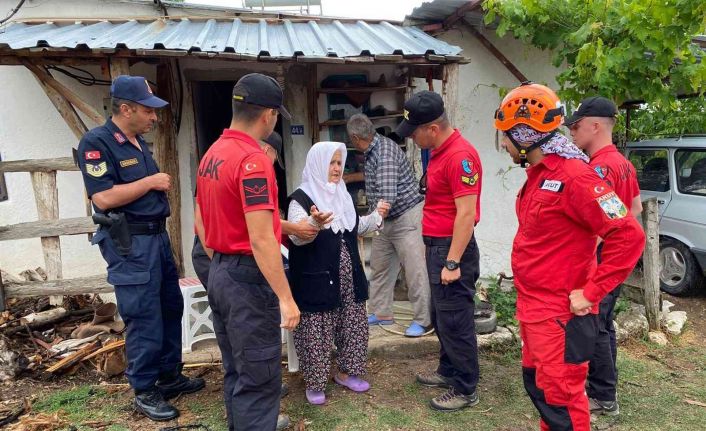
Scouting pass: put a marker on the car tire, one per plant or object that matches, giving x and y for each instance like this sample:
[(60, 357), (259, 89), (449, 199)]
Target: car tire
[(486, 321), (680, 274)]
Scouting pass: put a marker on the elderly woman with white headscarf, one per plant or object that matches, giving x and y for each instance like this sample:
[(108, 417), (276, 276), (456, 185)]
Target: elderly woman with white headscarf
[(327, 277)]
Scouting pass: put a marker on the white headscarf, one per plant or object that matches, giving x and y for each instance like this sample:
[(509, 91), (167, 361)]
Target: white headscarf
[(328, 196)]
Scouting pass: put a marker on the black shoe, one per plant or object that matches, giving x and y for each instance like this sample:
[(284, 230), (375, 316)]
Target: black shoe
[(175, 383), (151, 404), (284, 391), (282, 422)]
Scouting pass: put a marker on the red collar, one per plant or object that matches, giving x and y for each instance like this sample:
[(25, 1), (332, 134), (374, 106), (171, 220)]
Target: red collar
[(607, 149), (447, 143), (241, 136)]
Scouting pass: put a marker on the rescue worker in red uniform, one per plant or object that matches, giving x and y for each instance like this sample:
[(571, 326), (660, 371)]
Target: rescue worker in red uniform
[(247, 286), (591, 127), (452, 187), (562, 209)]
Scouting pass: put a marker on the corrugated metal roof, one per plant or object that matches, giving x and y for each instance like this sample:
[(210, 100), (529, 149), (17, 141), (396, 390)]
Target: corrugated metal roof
[(439, 10), (263, 38)]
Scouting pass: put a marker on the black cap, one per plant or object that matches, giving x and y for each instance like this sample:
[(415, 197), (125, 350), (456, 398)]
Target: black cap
[(422, 108), (135, 89), (275, 141), (261, 90), (595, 106)]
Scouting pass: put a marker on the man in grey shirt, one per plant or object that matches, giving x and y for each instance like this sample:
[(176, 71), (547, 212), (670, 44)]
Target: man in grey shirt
[(388, 176)]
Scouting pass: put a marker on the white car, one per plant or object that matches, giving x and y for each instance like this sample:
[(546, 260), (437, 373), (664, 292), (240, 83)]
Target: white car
[(674, 171)]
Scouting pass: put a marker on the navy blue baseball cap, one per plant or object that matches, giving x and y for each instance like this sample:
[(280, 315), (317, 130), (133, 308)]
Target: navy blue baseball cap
[(422, 108), (135, 89)]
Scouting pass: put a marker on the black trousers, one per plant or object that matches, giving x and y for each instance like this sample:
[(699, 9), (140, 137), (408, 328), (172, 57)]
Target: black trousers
[(603, 369), (201, 262), (452, 310), (246, 321)]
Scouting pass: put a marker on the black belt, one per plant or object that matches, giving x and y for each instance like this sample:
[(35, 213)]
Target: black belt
[(239, 259), (148, 228), (437, 241)]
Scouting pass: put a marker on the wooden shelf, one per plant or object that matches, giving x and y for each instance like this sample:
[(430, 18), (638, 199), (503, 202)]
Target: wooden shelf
[(343, 122), (359, 89)]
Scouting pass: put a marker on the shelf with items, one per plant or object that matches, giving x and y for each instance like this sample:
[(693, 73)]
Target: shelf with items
[(329, 123), (359, 89)]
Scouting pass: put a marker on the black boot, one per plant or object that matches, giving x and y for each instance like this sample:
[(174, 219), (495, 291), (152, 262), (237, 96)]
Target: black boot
[(151, 404), (175, 383)]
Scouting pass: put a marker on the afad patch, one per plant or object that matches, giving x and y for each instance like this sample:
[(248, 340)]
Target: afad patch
[(612, 206), (119, 137), (471, 181), (92, 155), (467, 166), (98, 170), (255, 190), (128, 162)]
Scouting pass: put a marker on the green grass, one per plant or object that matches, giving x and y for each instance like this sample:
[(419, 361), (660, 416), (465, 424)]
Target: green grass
[(81, 404)]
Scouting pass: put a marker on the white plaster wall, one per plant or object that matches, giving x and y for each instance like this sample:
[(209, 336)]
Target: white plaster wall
[(478, 97)]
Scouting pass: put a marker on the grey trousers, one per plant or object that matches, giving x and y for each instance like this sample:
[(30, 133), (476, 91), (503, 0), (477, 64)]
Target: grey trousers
[(400, 243)]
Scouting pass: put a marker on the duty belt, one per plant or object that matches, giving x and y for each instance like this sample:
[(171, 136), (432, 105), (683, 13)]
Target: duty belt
[(437, 241), (147, 228)]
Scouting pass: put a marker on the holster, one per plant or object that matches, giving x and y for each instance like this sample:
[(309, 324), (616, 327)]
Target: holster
[(118, 229)]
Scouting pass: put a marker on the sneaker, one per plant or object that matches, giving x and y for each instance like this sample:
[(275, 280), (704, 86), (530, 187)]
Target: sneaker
[(315, 397), (608, 408), (282, 422), (450, 401), (373, 320), (433, 380), (414, 330)]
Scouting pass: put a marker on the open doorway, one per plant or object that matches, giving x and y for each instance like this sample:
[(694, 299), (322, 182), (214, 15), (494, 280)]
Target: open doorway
[(213, 112)]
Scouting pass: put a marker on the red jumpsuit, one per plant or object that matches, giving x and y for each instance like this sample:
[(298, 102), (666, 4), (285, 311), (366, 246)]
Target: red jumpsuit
[(562, 208)]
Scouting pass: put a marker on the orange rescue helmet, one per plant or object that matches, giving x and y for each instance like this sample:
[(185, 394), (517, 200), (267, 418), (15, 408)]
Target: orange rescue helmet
[(532, 104)]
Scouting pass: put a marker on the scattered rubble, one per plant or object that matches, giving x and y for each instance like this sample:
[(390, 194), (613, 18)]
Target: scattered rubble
[(632, 323), (675, 321), (657, 337)]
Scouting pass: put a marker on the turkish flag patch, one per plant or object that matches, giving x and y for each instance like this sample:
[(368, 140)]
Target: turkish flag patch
[(256, 191), (92, 155)]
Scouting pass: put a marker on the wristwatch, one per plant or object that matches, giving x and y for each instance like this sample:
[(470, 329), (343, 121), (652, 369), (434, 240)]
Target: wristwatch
[(451, 265)]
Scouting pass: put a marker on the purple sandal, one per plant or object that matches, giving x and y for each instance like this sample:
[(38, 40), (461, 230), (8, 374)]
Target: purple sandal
[(353, 383), (315, 397)]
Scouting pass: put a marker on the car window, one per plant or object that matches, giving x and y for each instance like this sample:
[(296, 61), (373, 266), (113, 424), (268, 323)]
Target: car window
[(691, 171), (652, 169)]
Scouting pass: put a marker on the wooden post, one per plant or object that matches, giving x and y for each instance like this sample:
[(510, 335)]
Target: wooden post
[(2, 295), (119, 66), (47, 198), (167, 157), (449, 92), (650, 260)]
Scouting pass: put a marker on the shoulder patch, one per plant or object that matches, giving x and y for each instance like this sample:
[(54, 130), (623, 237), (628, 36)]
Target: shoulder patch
[(470, 180), (598, 189), (98, 170), (467, 166), (602, 171), (555, 186), (255, 167), (92, 155), (256, 191), (128, 162), (612, 206)]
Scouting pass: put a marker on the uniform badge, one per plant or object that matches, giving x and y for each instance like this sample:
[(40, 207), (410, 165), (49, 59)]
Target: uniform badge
[(128, 162), (96, 170), (602, 171), (470, 180), (612, 206), (555, 186), (119, 137), (92, 155), (256, 191), (467, 166)]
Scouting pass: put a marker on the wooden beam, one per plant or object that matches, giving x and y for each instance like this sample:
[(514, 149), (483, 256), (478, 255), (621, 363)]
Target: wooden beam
[(46, 196), (495, 51), (39, 165), (84, 107), (66, 110), (74, 286), (461, 12), (167, 156), (119, 66), (46, 228), (650, 261), (449, 92), (2, 295)]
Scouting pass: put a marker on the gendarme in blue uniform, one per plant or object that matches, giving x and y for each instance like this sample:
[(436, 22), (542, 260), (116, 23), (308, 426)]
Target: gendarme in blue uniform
[(146, 281)]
